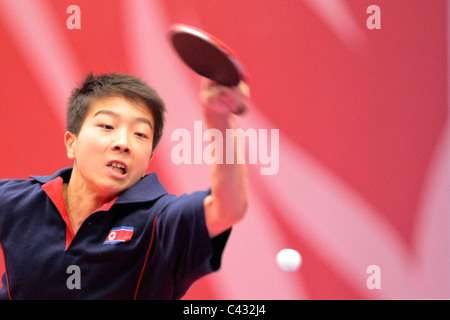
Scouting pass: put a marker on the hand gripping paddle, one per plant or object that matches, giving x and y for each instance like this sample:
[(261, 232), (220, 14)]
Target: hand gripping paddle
[(206, 55)]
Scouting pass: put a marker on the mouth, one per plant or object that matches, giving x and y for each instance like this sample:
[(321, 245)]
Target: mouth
[(118, 167)]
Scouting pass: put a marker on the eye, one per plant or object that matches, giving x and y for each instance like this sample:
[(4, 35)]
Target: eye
[(106, 126), (141, 135)]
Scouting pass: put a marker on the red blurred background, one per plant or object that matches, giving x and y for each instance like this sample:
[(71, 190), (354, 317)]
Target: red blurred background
[(362, 115)]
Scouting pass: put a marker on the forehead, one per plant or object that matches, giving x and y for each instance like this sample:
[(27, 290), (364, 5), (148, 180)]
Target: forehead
[(120, 106)]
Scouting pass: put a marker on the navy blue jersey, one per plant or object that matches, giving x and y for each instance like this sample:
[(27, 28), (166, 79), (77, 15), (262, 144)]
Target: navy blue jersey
[(145, 244)]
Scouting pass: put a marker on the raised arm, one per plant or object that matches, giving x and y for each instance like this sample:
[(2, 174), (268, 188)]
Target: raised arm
[(228, 201)]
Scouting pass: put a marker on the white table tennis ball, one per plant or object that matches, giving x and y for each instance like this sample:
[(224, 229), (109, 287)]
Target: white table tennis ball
[(289, 260)]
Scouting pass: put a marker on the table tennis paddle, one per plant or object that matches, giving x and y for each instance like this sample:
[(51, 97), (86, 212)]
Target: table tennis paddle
[(206, 55)]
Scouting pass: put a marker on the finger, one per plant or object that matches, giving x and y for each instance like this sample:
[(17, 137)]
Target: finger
[(244, 88)]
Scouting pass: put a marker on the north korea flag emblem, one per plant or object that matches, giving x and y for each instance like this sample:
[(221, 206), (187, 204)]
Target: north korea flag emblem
[(120, 234)]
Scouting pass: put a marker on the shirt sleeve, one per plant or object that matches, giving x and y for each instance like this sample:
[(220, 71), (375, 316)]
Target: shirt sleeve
[(184, 238)]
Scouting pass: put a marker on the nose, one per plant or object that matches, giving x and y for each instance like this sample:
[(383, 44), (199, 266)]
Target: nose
[(121, 143), (122, 148)]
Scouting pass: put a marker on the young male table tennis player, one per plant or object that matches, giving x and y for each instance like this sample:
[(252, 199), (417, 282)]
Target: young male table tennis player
[(105, 230)]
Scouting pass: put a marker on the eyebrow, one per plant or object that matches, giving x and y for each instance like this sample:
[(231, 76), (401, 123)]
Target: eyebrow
[(116, 115)]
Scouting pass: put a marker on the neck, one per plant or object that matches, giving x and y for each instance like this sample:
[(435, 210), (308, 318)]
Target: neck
[(80, 203)]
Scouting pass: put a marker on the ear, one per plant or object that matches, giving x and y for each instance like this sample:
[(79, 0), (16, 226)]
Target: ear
[(70, 142)]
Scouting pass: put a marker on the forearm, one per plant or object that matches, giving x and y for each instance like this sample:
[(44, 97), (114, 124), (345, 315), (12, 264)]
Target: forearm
[(229, 181), (228, 201)]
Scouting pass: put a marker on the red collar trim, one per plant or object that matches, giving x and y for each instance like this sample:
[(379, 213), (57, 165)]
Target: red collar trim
[(54, 191)]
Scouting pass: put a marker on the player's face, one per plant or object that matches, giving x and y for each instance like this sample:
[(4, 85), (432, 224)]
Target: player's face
[(114, 146)]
